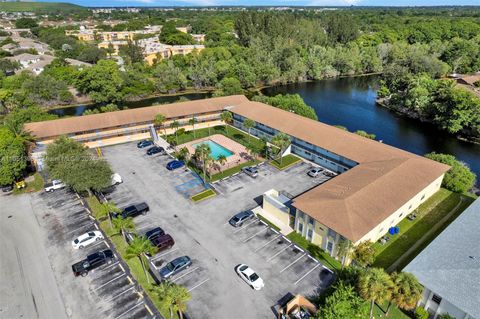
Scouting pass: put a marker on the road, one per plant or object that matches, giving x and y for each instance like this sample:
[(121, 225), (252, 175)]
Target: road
[(27, 284)]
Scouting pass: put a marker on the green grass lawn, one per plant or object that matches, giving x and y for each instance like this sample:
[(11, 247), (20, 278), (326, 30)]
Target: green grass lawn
[(233, 170), (428, 214), (285, 162), (315, 251), (394, 313), (34, 186), (134, 264), (203, 195)]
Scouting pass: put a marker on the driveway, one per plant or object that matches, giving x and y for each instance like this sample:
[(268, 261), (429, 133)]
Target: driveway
[(202, 232)]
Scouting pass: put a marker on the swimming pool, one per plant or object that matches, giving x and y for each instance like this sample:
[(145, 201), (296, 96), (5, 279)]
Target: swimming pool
[(215, 149)]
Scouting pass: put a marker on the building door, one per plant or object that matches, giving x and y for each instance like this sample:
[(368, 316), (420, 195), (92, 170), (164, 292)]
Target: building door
[(330, 247), (309, 235)]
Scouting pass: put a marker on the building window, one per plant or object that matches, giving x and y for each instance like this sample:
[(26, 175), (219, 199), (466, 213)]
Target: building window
[(423, 197), (400, 215), (300, 214), (300, 228), (310, 220), (437, 299), (410, 207), (309, 234), (381, 230)]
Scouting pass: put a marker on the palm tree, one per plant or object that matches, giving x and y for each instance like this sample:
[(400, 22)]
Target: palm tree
[(254, 149), (173, 296), (248, 123), (364, 253), (159, 120), (202, 154), (222, 159), (344, 250), (174, 126), (406, 291), (375, 285), (107, 208), (138, 247), (227, 118), (281, 140), (183, 154), (192, 122), (124, 225)]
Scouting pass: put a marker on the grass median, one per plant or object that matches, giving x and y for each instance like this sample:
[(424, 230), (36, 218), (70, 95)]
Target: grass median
[(285, 162), (203, 195)]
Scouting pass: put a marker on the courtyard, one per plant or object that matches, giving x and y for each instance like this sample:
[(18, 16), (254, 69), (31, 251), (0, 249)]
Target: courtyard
[(202, 232)]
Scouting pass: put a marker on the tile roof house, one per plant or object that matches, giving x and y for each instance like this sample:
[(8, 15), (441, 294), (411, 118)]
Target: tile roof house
[(449, 268)]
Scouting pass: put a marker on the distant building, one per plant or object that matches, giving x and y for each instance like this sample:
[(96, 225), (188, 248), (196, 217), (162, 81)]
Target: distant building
[(449, 268), (199, 38)]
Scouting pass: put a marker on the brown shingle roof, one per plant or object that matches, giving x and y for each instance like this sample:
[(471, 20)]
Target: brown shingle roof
[(93, 122), (356, 201)]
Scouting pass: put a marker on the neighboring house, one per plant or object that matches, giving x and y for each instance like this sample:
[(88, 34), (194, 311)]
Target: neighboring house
[(468, 79), (377, 185), (77, 63), (449, 268), (199, 38), (32, 62)]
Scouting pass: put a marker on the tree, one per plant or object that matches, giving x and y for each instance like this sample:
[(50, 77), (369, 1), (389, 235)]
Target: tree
[(72, 163), (249, 124), (222, 159), (123, 225), (173, 296), (364, 253), (107, 208), (289, 102), (192, 122), (344, 250), (159, 120), (202, 154), (344, 302), (12, 156), (229, 86), (25, 23), (174, 126), (15, 120), (421, 313), (132, 52), (227, 118), (183, 154), (459, 178), (281, 140), (375, 285), (168, 77), (406, 292), (365, 134), (138, 247), (254, 149)]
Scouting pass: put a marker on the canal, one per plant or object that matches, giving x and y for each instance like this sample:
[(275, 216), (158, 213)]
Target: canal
[(349, 102)]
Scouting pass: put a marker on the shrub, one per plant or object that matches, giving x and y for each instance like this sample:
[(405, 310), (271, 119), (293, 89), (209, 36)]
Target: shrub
[(459, 178), (421, 313)]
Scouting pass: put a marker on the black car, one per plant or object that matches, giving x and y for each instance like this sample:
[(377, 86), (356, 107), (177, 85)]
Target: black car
[(7, 188), (240, 218), (92, 261), (157, 231), (155, 150), (132, 211), (144, 143)]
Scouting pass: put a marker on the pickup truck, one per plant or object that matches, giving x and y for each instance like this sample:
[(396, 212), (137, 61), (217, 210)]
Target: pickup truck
[(132, 211), (54, 185), (92, 261)]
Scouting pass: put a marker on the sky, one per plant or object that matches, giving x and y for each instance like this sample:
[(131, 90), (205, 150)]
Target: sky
[(109, 3)]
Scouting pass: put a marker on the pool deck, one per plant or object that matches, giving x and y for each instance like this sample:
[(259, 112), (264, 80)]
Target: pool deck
[(240, 154)]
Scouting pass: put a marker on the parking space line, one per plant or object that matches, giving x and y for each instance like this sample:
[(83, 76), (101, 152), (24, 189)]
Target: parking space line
[(111, 280), (96, 244), (261, 231), (118, 295), (278, 253), (164, 254), (308, 272), (135, 306), (110, 266), (187, 273), (199, 284), (264, 245), (81, 227), (292, 263), (298, 248), (245, 226)]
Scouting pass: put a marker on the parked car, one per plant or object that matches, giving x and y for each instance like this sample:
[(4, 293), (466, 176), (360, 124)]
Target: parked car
[(250, 171), (132, 211), (92, 261), (329, 174), (144, 143), (250, 277), (157, 231), (116, 179), (175, 164), (7, 188), (155, 150), (54, 185), (87, 239), (175, 266), (240, 218), (314, 172), (162, 242)]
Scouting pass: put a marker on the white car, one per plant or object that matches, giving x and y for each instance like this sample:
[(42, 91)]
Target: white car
[(87, 239), (250, 277), (116, 179), (315, 171)]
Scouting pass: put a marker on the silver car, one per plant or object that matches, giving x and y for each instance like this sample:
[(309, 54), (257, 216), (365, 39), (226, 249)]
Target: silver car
[(314, 172), (250, 171)]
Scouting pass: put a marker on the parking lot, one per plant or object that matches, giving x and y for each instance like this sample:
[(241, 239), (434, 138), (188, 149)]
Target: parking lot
[(107, 291), (202, 232)]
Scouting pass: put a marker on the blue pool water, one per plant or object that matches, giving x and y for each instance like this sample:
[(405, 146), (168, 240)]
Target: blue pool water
[(215, 149)]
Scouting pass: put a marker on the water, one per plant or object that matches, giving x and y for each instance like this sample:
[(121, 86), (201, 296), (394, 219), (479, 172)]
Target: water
[(80, 109), (216, 150), (350, 102)]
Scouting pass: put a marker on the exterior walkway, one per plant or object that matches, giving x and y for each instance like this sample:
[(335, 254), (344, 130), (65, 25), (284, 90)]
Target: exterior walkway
[(284, 229)]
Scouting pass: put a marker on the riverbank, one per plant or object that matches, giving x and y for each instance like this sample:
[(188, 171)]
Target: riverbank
[(403, 111)]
